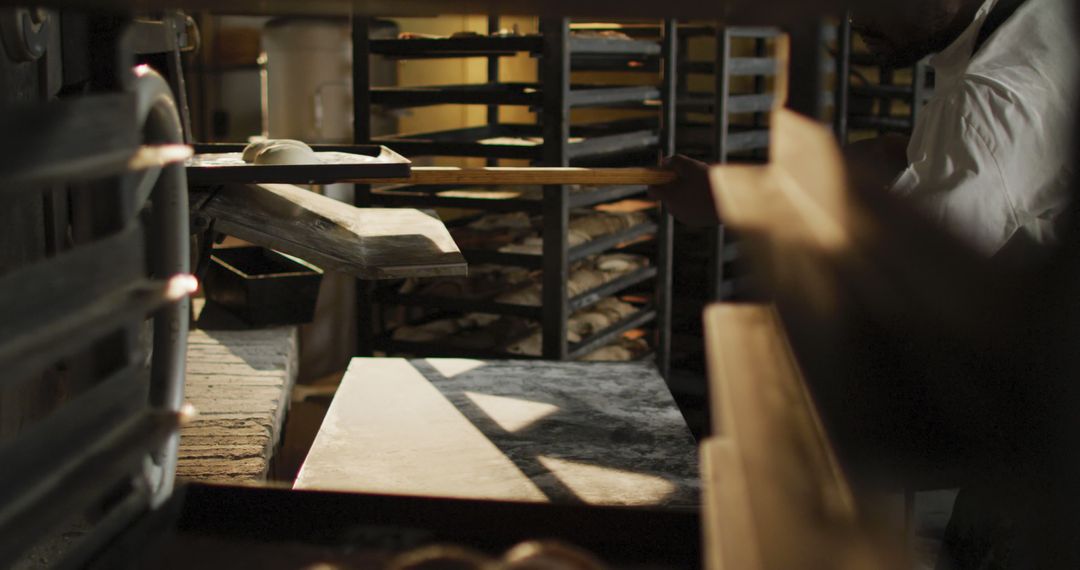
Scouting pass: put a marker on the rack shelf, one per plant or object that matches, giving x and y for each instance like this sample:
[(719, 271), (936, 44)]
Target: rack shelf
[(577, 303), (594, 342), (507, 94), (641, 318), (736, 104), (524, 141), (496, 46), (575, 254)]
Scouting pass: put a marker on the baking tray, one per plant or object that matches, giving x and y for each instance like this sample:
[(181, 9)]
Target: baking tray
[(223, 163)]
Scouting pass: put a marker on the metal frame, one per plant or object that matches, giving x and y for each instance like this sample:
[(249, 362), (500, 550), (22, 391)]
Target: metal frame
[(115, 432)]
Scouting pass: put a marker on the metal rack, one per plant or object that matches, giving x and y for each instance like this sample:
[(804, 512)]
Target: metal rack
[(557, 144), (727, 123)]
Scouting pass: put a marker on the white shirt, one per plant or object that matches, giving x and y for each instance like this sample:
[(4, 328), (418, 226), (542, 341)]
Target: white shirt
[(989, 156)]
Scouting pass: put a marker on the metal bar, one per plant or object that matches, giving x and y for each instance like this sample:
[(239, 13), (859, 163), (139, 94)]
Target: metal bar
[(485, 256), (507, 94), (606, 194), (843, 81), (747, 140), (590, 298), (601, 244), (584, 45), (555, 121), (493, 78), (721, 122), (362, 198), (510, 94), (476, 46), (606, 336), (46, 303), (805, 77), (415, 147), (665, 238), (399, 199), (38, 149), (511, 176), (755, 32), (85, 476), (461, 305), (753, 103), (422, 198), (581, 96), (598, 146), (440, 350)]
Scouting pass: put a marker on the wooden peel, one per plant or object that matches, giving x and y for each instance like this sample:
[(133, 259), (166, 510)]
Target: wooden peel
[(499, 176)]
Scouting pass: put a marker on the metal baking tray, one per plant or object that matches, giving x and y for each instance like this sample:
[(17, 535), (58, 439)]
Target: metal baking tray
[(223, 163)]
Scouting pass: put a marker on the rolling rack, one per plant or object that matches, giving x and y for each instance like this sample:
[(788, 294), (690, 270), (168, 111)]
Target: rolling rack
[(560, 144)]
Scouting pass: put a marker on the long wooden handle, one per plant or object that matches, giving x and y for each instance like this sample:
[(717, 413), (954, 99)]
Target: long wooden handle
[(498, 176)]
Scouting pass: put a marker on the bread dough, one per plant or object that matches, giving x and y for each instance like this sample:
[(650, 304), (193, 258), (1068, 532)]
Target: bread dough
[(286, 154), (252, 150)]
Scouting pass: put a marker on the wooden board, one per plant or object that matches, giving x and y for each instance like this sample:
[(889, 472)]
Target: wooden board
[(239, 383), (774, 495), (370, 243), (506, 430)]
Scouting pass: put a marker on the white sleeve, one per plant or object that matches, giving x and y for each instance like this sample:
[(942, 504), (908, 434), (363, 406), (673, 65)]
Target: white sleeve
[(953, 174)]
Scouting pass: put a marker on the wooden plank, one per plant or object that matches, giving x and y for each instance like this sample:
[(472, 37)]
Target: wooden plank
[(370, 243), (509, 176), (239, 383), (534, 431), (777, 498)]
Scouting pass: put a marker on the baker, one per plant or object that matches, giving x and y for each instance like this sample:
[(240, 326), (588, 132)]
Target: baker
[(989, 160), (989, 156)]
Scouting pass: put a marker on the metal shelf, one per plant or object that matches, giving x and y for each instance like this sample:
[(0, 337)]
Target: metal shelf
[(508, 94), (578, 253), (607, 336), (739, 138), (444, 349), (736, 67), (406, 196), (736, 104), (458, 305), (587, 141), (489, 46)]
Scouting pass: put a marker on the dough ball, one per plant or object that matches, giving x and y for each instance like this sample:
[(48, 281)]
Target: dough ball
[(286, 154), (252, 150)]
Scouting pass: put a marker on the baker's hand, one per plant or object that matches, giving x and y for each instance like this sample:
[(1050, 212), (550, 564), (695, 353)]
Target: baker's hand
[(689, 197)]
